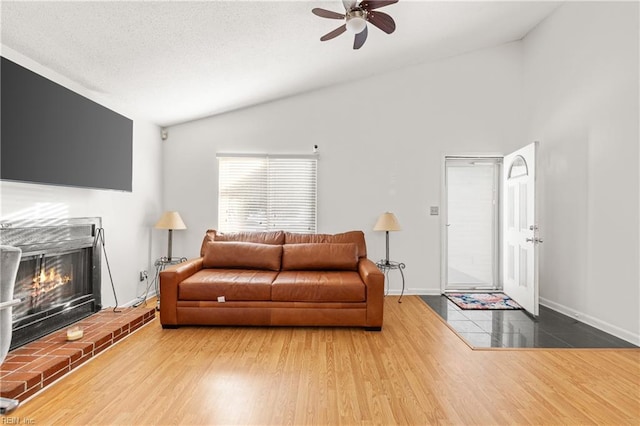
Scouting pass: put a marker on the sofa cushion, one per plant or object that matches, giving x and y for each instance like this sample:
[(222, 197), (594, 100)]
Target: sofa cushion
[(317, 286), (233, 284), (270, 237), (319, 257), (232, 254), (355, 237)]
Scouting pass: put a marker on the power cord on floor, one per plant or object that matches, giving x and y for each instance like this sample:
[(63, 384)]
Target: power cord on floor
[(100, 237), (160, 265), (143, 299)]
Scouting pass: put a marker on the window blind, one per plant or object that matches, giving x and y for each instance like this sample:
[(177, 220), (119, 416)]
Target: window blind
[(265, 193)]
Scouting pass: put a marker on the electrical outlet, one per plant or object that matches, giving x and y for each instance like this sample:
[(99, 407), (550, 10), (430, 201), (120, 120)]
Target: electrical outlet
[(143, 275)]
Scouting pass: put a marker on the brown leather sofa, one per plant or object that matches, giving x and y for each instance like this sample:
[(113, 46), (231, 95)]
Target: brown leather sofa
[(275, 279)]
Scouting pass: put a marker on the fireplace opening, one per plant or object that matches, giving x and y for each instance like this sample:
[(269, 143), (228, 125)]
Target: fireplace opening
[(58, 280)]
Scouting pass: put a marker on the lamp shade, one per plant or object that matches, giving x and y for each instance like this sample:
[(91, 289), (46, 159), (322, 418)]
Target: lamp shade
[(387, 222), (170, 220)]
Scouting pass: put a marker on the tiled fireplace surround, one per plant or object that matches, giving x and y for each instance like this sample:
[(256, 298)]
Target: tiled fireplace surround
[(30, 368)]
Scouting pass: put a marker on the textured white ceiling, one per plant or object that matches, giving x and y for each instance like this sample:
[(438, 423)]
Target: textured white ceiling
[(171, 62)]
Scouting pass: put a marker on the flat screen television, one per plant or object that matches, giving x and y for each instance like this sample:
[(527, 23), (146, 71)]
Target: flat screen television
[(52, 135)]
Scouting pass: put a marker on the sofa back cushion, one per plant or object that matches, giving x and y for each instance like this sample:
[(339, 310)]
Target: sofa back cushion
[(354, 237), (271, 237), (320, 256), (243, 255)]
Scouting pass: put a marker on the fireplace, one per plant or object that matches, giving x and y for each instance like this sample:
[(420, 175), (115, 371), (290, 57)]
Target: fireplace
[(58, 280)]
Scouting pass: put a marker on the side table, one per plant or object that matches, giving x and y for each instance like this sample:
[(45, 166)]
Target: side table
[(387, 265), (160, 265)]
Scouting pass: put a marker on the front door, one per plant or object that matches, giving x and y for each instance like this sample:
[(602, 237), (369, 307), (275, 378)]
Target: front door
[(520, 229), (472, 229)]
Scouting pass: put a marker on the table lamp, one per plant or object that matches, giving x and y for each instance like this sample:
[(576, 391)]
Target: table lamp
[(170, 221), (387, 222)]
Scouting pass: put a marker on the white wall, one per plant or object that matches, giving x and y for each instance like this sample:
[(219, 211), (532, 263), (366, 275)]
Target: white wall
[(381, 144), (581, 94), (127, 218)]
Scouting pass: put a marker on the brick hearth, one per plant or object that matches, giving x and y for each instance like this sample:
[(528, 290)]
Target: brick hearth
[(32, 367)]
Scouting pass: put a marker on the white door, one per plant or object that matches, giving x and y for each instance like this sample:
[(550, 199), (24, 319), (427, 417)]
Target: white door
[(472, 229), (520, 230)]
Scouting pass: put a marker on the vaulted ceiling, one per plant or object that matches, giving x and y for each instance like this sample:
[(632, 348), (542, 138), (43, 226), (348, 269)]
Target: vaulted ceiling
[(170, 62)]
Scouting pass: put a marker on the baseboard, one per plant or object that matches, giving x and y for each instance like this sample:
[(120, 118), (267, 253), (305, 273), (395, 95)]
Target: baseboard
[(138, 301), (592, 321)]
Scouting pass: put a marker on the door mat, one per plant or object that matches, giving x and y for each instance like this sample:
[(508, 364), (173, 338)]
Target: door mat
[(482, 301)]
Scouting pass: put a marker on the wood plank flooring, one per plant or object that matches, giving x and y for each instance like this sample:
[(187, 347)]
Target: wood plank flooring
[(416, 371)]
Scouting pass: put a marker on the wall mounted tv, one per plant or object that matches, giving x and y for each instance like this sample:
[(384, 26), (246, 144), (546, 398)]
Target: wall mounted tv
[(52, 135)]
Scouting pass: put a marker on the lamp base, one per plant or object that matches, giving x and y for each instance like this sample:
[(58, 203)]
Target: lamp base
[(386, 259), (169, 244)]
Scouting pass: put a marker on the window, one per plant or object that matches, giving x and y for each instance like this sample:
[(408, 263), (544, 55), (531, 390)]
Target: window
[(264, 193), (518, 168)]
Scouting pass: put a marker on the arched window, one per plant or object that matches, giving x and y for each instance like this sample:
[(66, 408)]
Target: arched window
[(518, 168)]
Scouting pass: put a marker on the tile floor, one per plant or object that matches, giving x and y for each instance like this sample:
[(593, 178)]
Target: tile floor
[(515, 329)]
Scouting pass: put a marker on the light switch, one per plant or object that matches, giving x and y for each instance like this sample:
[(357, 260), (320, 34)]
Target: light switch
[(434, 211)]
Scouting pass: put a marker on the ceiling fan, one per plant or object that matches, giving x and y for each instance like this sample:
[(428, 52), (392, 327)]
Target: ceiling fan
[(356, 17)]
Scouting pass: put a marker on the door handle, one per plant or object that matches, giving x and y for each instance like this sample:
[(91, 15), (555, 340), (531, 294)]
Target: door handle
[(534, 240)]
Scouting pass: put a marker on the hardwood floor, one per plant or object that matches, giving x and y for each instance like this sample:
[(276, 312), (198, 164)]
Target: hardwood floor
[(416, 371)]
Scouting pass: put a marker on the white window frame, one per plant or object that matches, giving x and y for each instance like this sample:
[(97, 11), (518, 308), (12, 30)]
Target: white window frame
[(259, 192)]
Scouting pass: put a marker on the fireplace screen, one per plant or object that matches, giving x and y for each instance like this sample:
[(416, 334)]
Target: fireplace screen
[(47, 281)]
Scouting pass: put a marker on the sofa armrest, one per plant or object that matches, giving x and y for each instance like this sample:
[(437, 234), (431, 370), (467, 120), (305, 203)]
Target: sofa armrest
[(374, 281), (169, 280)]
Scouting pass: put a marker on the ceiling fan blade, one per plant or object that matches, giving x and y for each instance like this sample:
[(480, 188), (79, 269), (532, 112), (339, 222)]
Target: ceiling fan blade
[(382, 21), (324, 13), (376, 4), (349, 4), (361, 37), (335, 33)]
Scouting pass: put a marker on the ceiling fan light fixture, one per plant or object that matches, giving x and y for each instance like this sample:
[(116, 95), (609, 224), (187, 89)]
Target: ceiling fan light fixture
[(356, 21), (356, 25)]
